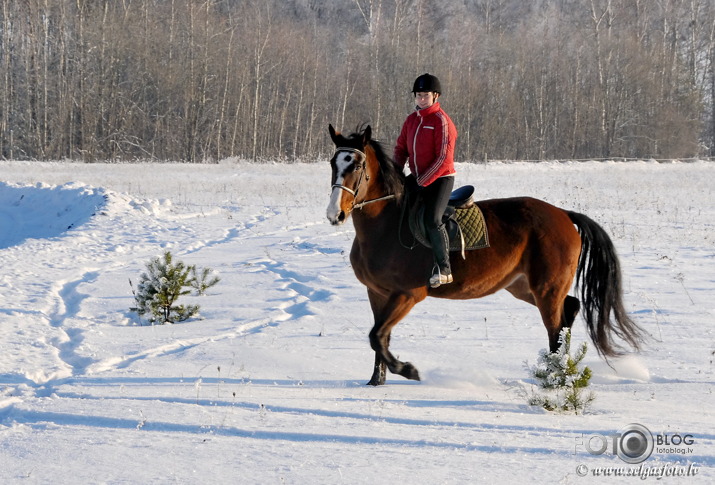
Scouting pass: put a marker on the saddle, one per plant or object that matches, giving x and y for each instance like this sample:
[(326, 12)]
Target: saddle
[(463, 220)]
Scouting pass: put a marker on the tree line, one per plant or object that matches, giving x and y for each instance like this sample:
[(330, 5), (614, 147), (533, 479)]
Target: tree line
[(205, 80)]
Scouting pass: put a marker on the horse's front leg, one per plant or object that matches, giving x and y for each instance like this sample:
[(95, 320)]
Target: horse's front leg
[(388, 311), (379, 373)]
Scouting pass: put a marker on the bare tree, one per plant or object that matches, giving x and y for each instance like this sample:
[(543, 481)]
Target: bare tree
[(198, 81)]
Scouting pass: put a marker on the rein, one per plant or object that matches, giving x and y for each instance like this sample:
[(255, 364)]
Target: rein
[(366, 202), (363, 176)]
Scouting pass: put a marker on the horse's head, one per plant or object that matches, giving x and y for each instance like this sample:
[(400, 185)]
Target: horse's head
[(350, 177)]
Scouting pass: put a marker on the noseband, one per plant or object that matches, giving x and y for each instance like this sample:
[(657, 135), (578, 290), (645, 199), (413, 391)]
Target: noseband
[(363, 176)]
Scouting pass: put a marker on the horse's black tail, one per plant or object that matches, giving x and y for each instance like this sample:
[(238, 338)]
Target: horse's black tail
[(599, 278)]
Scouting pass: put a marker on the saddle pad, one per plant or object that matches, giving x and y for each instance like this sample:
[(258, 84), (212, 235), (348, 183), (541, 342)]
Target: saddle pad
[(474, 229), (470, 221)]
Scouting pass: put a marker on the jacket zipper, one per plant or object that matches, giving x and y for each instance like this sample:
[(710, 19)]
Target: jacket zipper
[(414, 148)]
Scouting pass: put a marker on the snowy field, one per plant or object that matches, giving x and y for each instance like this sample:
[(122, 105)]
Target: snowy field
[(268, 387)]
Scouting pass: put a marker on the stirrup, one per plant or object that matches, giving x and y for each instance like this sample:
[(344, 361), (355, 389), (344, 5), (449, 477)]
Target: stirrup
[(438, 279)]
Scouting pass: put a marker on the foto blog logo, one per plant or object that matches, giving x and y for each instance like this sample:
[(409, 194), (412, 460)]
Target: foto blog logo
[(633, 443)]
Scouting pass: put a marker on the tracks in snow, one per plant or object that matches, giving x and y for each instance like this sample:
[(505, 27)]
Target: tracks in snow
[(299, 293)]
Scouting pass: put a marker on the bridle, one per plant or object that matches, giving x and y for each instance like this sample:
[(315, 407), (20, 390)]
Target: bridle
[(363, 176)]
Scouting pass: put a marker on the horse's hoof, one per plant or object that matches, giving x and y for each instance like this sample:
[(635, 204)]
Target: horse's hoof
[(409, 371), (378, 378)]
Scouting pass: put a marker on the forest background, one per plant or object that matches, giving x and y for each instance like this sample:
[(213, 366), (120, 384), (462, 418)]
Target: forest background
[(206, 80)]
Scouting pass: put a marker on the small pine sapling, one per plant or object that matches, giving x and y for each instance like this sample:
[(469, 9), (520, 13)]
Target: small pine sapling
[(561, 378), (159, 288), (202, 280)]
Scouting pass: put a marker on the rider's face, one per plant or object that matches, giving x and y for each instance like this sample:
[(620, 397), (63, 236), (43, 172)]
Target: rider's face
[(425, 100)]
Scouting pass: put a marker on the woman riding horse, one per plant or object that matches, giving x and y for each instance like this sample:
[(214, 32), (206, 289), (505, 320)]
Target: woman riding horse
[(535, 253), (427, 140)]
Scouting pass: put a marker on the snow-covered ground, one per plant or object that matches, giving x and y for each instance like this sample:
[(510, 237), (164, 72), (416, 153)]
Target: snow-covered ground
[(269, 386)]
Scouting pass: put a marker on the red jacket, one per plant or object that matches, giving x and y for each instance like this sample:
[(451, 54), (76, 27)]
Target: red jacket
[(427, 139)]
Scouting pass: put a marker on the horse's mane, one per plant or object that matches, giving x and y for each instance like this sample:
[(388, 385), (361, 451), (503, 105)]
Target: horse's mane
[(393, 178)]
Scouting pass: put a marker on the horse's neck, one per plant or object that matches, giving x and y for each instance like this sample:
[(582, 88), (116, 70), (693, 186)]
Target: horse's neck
[(378, 222)]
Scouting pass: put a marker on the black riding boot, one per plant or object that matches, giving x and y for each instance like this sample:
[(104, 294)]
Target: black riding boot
[(440, 247)]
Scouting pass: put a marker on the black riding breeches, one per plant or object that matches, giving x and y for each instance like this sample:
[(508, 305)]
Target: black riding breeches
[(436, 197)]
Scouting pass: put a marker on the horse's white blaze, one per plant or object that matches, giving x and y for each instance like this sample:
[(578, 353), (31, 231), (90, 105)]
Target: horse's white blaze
[(342, 164), (334, 204)]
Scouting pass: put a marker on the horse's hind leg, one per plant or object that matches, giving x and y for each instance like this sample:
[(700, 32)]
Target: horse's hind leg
[(556, 320), (557, 308), (571, 308), (552, 314), (549, 308), (555, 315), (388, 311)]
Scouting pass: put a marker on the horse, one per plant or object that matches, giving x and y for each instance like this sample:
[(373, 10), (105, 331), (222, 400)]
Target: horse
[(536, 251)]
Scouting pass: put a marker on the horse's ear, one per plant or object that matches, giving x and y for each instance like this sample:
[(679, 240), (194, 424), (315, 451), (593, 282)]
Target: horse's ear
[(333, 134), (366, 135)]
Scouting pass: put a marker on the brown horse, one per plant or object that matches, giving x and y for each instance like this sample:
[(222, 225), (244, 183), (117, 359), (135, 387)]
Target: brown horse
[(535, 252)]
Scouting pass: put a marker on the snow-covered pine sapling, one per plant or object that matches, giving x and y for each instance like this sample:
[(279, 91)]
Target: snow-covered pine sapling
[(562, 379), (159, 288), (203, 280)]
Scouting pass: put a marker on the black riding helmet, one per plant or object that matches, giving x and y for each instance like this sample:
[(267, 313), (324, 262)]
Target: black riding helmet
[(427, 83)]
